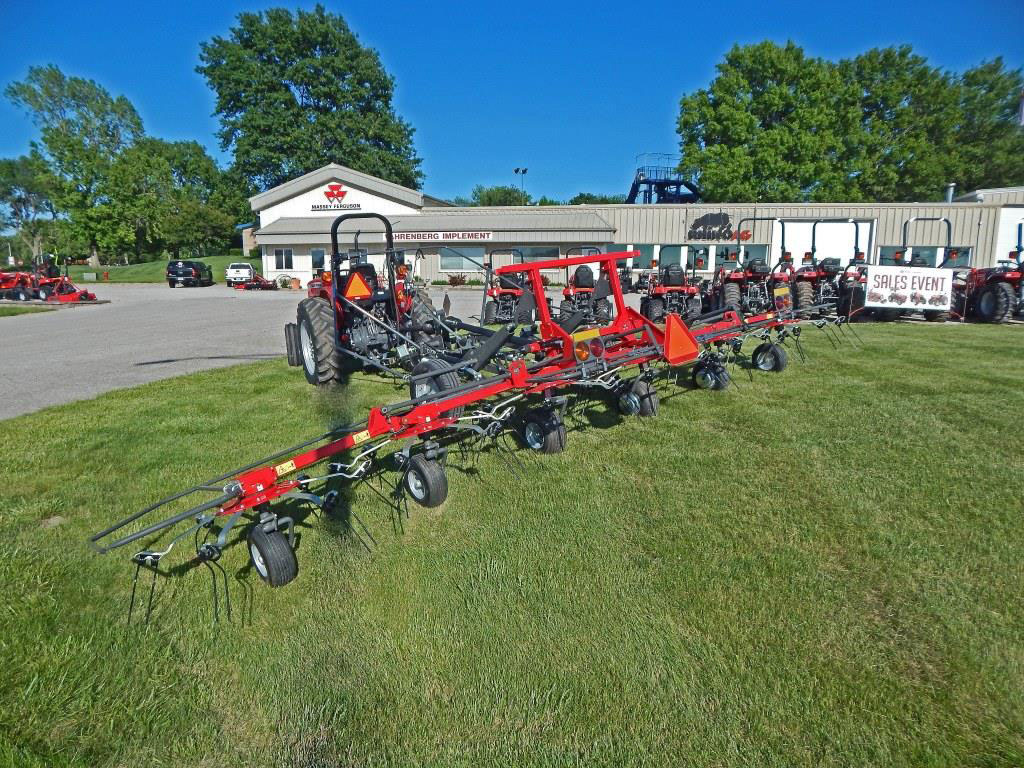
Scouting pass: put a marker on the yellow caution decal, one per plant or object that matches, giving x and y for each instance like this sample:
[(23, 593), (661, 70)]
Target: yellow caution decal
[(586, 335), (360, 437), (284, 469)]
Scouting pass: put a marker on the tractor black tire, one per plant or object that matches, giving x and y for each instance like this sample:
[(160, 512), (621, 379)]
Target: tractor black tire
[(602, 311), (272, 556), (803, 298), (321, 361), (490, 312), (656, 310), (648, 397), (421, 313), (425, 481), (544, 431), (732, 298), (770, 357), (523, 314), (43, 294), (171, 284), (440, 382), (694, 309), (565, 311), (851, 305), (993, 303), (936, 315), (291, 344), (887, 315)]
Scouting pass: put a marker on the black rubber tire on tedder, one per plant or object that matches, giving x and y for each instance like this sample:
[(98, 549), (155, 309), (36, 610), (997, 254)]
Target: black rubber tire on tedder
[(770, 357), (544, 431), (648, 397), (803, 298), (732, 297), (272, 556), (426, 481), (321, 361)]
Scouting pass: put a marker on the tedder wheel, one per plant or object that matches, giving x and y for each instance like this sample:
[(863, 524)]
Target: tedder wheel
[(656, 310), (272, 556), (770, 357), (544, 431), (320, 360), (439, 382), (647, 395), (426, 481), (994, 302), (803, 298), (936, 315), (490, 312), (709, 376)]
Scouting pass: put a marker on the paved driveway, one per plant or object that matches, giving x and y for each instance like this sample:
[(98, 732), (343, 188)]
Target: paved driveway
[(149, 332)]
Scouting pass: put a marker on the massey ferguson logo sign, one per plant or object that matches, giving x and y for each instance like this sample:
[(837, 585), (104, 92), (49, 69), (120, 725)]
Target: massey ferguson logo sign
[(715, 226), (334, 193)]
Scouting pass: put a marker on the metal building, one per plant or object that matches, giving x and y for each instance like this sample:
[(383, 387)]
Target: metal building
[(294, 223)]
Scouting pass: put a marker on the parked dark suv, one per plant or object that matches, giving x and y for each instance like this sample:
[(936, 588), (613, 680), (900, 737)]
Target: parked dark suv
[(189, 273)]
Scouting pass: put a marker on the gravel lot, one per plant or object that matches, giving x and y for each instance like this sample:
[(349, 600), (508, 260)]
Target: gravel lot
[(147, 332)]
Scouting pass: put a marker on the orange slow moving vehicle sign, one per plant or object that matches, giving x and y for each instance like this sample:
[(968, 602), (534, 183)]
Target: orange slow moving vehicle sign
[(357, 288)]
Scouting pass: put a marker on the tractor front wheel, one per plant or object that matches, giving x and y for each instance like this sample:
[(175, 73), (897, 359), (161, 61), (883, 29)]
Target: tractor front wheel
[(321, 361), (544, 432), (656, 310), (770, 357), (693, 309), (490, 312), (426, 481), (272, 556)]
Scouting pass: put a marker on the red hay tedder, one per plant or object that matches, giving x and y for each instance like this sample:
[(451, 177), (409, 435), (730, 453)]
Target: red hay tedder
[(468, 385)]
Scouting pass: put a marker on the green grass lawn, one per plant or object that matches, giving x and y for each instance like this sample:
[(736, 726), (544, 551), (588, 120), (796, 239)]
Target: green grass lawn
[(11, 311), (824, 568), (155, 271)]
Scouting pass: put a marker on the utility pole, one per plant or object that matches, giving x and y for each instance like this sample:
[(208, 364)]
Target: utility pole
[(521, 173)]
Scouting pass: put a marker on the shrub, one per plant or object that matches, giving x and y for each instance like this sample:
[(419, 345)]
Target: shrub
[(545, 280), (457, 279)]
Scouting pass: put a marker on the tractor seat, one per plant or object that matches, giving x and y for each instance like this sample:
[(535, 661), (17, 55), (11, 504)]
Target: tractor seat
[(673, 275), (507, 283), (583, 277), (830, 266), (758, 266), (918, 261)]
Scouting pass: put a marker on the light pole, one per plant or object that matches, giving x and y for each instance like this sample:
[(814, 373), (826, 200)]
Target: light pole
[(521, 173)]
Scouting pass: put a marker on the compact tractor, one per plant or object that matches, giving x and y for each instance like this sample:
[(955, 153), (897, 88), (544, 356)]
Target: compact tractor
[(992, 294), (16, 286), (823, 285), (673, 289), (506, 300), (585, 296), (753, 286)]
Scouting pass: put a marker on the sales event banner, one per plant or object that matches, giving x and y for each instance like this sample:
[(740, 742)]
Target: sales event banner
[(909, 288)]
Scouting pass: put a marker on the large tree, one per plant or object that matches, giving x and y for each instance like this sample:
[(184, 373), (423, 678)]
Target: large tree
[(297, 91), (777, 125), (26, 205), (83, 128), (497, 195)]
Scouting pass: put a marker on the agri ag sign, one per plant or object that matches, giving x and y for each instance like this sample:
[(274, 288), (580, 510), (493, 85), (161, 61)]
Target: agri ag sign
[(909, 288)]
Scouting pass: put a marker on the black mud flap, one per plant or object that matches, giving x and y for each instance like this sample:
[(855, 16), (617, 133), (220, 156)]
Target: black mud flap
[(291, 341)]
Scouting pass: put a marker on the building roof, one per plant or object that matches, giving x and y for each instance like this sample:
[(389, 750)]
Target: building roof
[(993, 195), (457, 219), (335, 172)]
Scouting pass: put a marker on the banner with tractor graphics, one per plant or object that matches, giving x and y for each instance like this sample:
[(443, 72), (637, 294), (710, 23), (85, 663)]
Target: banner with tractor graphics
[(909, 288)]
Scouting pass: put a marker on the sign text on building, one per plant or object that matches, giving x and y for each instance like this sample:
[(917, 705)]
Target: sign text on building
[(897, 287), (458, 237)]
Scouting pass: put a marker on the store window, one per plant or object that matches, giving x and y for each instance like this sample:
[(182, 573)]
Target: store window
[(536, 253), (643, 261), (462, 259), (751, 252), (283, 258), (670, 254), (317, 254), (923, 255), (961, 259)]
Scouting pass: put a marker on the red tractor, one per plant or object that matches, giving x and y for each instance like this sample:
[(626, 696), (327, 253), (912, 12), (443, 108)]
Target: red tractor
[(61, 289), (991, 294), (822, 286), (753, 286), (585, 295), (356, 318), (16, 286), (673, 290), (505, 299)]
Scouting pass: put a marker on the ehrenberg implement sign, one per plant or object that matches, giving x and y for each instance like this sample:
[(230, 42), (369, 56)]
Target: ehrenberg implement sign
[(457, 237), (909, 288)]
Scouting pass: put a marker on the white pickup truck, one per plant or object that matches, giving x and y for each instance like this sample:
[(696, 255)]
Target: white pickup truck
[(239, 272)]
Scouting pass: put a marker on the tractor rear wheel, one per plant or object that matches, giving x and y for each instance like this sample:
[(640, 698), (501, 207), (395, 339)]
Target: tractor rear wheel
[(732, 298), (693, 309), (523, 314), (994, 302), (426, 481), (490, 312), (803, 298), (544, 431), (436, 383), (648, 397), (565, 311), (602, 311), (272, 556), (321, 361), (770, 357), (656, 310), (421, 313), (936, 315)]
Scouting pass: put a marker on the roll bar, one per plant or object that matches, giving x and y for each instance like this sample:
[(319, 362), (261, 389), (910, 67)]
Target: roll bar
[(389, 255), (814, 234), (739, 228)]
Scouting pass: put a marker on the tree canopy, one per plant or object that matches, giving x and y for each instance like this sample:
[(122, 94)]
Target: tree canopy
[(778, 125), (497, 195), (297, 91)]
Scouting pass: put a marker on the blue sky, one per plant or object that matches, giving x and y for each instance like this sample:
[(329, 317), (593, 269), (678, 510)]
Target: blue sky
[(573, 91)]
